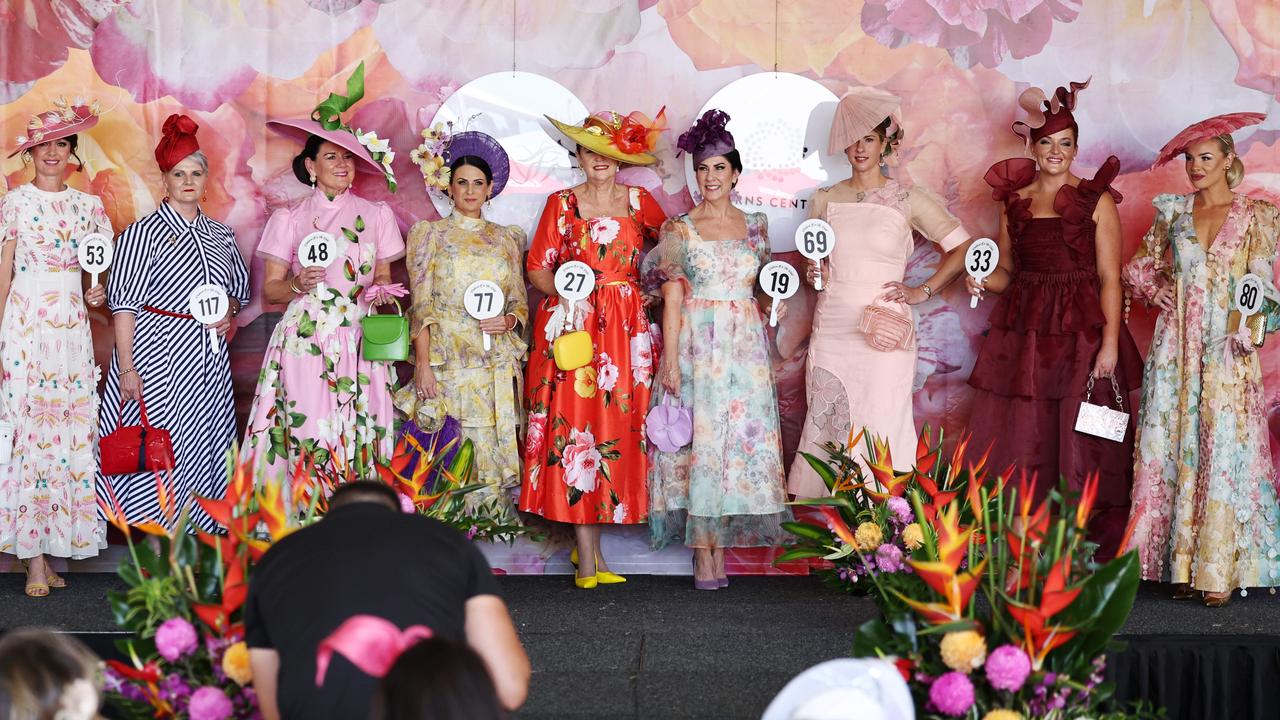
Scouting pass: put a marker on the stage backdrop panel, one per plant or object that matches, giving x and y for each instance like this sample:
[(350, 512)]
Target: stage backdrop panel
[(1156, 66)]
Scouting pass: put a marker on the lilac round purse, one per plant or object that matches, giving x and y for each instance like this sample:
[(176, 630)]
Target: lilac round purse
[(669, 425)]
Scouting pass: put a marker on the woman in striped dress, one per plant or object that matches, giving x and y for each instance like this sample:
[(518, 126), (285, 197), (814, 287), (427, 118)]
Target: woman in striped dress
[(162, 354)]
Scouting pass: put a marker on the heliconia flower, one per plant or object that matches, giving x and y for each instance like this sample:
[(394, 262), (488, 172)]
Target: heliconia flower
[(838, 525), (887, 483)]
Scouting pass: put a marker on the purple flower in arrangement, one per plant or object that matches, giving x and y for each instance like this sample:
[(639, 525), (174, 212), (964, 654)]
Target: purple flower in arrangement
[(901, 510), (174, 689), (889, 558), (176, 638), (1008, 667), (210, 703), (952, 694)]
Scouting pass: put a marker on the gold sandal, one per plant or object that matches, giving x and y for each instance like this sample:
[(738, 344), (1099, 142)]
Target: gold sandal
[(34, 589)]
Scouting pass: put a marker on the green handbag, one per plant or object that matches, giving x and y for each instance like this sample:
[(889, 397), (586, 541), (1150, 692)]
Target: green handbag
[(386, 337)]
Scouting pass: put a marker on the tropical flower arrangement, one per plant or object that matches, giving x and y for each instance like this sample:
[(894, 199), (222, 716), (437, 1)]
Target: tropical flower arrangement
[(186, 587), (1033, 647)]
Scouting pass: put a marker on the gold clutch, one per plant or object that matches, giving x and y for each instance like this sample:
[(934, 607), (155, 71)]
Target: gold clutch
[(1257, 324)]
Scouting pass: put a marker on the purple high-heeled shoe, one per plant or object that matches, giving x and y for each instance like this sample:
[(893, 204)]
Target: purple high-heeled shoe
[(712, 584)]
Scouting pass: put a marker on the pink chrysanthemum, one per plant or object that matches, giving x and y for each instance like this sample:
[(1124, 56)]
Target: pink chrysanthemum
[(952, 694), (1008, 667), (210, 703), (175, 638)]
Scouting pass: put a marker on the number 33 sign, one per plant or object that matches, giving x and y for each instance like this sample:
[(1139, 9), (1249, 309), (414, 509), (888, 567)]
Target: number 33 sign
[(980, 261)]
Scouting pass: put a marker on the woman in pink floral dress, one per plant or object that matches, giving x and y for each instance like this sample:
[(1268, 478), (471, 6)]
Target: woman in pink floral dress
[(48, 505), (1204, 495), (317, 396)]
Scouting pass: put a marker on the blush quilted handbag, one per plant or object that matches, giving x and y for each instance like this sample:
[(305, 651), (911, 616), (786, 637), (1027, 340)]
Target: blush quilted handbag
[(886, 328), (135, 448)]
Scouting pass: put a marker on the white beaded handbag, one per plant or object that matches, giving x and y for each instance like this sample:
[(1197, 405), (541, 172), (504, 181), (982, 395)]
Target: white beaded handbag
[(1100, 420)]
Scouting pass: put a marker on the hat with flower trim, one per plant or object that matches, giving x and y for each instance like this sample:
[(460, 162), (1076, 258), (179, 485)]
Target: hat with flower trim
[(326, 122), (441, 146), (625, 138), (67, 117)]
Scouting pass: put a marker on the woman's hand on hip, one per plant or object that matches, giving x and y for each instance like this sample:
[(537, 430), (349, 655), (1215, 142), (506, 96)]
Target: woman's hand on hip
[(1164, 299)]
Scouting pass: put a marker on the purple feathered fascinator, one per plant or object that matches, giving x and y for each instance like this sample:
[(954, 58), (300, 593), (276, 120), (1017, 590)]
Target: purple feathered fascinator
[(708, 137)]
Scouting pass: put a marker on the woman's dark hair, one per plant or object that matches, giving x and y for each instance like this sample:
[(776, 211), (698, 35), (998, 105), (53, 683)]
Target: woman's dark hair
[(438, 679), (310, 151), (364, 491), (890, 141), (474, 161)]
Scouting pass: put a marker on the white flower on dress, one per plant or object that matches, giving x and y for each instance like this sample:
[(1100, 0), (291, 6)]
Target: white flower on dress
[(604, 230), (346, 310), (294, 345), (620, 513), (641, 359), (327, 430), (581, 461), (606, 373)]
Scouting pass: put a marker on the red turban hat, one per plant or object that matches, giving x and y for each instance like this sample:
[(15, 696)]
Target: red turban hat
[(177, 141)]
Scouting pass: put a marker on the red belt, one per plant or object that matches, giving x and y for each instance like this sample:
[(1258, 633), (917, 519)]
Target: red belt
[(158, 311)]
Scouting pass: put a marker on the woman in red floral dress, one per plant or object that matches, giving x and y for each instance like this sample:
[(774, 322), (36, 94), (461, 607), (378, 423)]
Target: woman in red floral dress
[(584, 460)]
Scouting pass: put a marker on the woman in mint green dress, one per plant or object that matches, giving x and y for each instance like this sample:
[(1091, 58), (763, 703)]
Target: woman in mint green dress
[(726, 488)]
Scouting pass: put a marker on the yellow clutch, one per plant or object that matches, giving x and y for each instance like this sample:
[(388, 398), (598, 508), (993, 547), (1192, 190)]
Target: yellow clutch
[(572, 350), (1257, 324)]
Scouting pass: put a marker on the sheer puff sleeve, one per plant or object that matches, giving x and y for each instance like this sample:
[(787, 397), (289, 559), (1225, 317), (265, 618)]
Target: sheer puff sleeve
[(666, 262), (1147, 271), (930, 217)]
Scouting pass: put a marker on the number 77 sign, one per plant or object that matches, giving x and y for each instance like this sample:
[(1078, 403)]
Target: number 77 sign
[(483, 300)]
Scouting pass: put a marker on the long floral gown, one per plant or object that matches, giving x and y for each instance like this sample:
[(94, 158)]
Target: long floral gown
[(47, 500), (726, 489), (316, 394), (1204, 490), (585, 446), (1033, 368), (478, 388)]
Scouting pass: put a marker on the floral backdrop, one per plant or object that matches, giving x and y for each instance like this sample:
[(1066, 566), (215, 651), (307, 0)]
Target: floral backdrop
[(1157, 65)]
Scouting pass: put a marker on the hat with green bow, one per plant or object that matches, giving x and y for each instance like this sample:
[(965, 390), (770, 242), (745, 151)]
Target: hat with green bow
[(326, 122)]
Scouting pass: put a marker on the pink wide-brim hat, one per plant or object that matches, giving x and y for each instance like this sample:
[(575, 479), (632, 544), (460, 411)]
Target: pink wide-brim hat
[(57, 123), (860, 111), (301, 129), (1206, 130)]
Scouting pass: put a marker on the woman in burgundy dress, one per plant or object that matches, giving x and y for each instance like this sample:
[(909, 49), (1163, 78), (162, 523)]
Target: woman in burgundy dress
[(1059, 321)]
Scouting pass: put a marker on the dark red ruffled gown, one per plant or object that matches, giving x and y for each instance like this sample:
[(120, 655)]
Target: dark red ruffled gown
[(1046, 329)]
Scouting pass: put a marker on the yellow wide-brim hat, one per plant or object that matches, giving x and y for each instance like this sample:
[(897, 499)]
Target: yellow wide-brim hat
[(625, 138)]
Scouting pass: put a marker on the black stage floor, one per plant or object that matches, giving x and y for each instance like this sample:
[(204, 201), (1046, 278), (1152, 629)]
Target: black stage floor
[(656, 648)]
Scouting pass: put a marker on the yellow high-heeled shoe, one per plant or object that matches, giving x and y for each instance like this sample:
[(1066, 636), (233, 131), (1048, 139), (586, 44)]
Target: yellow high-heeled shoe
[(604, 577), (586, 583)]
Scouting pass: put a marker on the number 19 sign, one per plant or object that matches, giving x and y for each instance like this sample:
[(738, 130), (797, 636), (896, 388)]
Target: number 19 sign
[(779, 281), (483, 300), (980, 261)]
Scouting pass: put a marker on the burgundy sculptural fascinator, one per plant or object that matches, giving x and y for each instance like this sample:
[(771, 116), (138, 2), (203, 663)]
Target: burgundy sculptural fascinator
[(1047, 115), (1205, 130), (708, 137), (371, 643)]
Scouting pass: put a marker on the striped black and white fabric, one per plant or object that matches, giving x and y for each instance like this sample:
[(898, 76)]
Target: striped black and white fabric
[(159, 260)]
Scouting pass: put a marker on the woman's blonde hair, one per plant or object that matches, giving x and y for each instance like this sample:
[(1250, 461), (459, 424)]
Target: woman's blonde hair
[(44, 675), (1235, 173)]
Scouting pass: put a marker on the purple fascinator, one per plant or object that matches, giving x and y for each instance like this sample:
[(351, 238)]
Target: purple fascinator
[(484, 147), (708, 137)]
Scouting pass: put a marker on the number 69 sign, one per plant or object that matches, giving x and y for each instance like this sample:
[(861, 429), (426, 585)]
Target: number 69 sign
[(815, 239), (980, 261), (1249, 295), (779, 281), (483, 300), (319, 249)]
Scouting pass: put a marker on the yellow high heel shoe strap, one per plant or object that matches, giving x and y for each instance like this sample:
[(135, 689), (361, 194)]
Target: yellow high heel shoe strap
[(586, 583)]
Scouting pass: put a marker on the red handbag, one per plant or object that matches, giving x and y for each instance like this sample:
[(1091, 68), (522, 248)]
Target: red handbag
[(135, 448)]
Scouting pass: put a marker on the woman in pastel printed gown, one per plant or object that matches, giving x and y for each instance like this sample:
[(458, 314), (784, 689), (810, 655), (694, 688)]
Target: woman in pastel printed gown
[(726, 489), (1205, 512), (453, 373), (849, 384), (48, 507)]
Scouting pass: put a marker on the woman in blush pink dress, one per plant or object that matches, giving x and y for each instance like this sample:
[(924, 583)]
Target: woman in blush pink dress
[(850, 384), (317, 396)]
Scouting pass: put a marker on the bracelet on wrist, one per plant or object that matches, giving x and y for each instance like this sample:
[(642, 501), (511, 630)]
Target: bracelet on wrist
[(293, 285), (928, 291), (122, 373)]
